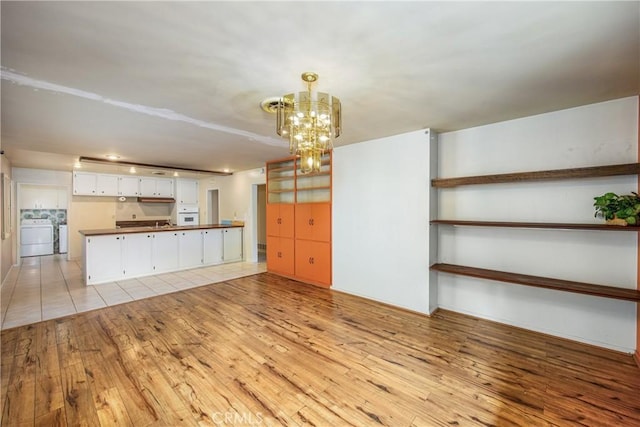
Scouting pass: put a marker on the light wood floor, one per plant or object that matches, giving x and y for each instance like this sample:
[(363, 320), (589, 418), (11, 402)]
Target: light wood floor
[(263, 350)]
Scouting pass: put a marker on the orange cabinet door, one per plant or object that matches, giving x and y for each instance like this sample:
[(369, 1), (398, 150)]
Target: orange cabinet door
[(280, 219), (313, 221), (287, 223), (313, 261), (280, 255), (273, 223)]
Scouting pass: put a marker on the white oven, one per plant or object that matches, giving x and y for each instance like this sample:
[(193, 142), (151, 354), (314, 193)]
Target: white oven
[(188, 215)]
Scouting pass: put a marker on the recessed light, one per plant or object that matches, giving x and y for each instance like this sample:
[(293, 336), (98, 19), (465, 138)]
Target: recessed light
[(112, 156), (226, 170)]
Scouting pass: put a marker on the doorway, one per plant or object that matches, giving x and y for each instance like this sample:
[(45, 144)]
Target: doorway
[(41, 217), (213, 207)]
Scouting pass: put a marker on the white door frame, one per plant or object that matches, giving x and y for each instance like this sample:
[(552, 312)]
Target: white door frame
[(209, 213)]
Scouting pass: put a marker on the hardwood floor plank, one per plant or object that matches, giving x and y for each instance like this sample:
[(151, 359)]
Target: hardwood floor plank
[(266, 350), (111, 408), (79, 407), (55, 418), (19, 407), (49, 399), (161, 396)]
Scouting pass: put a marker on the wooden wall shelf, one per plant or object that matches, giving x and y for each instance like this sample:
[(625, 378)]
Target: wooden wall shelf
[(548, 225), (588, 172), (541, 282)]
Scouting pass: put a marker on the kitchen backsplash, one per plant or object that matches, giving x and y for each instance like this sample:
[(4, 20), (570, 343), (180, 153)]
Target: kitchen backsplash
[(57, 217)]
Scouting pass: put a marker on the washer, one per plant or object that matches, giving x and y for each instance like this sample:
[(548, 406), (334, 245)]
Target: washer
[(36, 237)]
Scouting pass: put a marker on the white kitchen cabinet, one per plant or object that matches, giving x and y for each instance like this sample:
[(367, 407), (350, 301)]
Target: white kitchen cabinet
[(147, 186), (63, 198), (84, 183), (108, 258), (212, 246), (156, 187), (190, 248), (106, 185), (232, 244), (42, 197), (186, 192), (128, 186), (137, 254), (165, 251), (164, 187), (103, 258)]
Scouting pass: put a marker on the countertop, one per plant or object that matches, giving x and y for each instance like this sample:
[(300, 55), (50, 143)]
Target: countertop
[(153, 229)]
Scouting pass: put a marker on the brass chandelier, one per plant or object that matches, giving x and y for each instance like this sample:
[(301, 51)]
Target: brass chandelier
[(310, 122)]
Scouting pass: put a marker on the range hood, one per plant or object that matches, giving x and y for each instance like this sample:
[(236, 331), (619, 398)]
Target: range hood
[(156, 200)]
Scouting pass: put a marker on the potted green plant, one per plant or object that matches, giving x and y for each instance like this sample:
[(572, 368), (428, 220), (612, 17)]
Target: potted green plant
[(618, 210)]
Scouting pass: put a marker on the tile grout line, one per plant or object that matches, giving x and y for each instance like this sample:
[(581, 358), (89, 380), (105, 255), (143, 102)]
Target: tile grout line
[(191, 279)]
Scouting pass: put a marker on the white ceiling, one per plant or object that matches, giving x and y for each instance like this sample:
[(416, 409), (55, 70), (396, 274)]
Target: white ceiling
[(180, 83)]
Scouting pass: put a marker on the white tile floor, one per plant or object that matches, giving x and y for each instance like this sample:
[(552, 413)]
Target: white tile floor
[(49, 287)]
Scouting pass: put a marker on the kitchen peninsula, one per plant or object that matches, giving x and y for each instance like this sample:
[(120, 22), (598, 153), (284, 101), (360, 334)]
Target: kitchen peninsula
[(124, 253)]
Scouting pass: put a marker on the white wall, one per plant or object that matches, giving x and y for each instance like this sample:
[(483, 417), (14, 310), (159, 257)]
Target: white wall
[(237, 195), (7, 255), (599, 134), (381, 220)]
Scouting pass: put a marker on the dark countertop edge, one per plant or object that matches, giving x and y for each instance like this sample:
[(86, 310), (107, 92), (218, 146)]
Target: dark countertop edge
[(130, 230)]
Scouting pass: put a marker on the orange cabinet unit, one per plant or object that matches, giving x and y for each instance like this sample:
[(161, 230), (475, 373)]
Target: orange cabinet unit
[(299, 221)]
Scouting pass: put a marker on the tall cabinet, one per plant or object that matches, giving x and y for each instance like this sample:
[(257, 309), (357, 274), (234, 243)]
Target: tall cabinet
[(299, 221)]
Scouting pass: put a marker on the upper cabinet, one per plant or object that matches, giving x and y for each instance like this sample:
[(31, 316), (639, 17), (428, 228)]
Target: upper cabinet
[(101, 184), (107, 185), (42, 197), (84, 183), (128, 186), (186, 191), (156, 187), (94, 184)]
